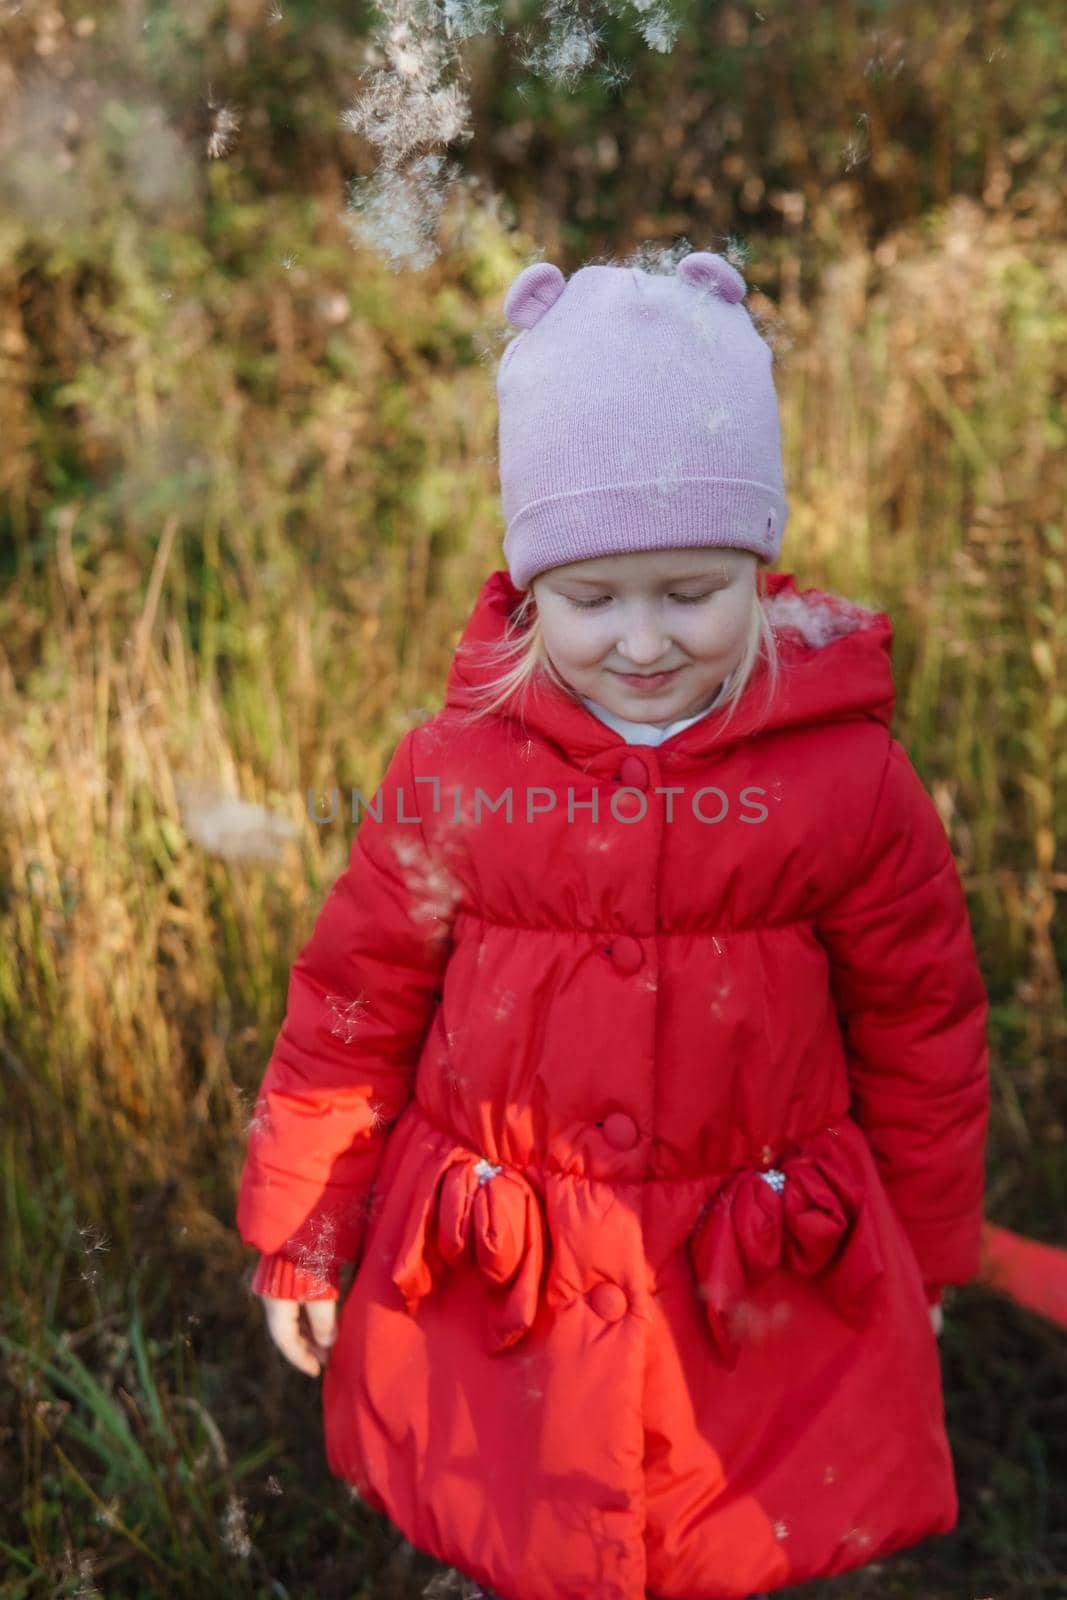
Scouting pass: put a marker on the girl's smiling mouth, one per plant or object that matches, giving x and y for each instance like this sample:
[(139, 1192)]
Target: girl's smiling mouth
[(649, 681)]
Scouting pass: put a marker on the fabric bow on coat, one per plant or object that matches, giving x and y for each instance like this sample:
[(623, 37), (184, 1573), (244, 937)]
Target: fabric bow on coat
[(808, 1215), (463, 1197)]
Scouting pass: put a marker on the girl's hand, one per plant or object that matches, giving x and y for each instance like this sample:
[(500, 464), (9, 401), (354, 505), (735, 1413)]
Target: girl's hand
[(308, 1352), (938, 1319)]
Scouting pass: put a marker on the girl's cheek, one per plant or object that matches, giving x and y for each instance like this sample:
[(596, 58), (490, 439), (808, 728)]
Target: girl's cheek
[(592, 644)]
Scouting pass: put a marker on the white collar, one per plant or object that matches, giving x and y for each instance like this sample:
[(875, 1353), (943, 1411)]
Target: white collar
[(649, 732)]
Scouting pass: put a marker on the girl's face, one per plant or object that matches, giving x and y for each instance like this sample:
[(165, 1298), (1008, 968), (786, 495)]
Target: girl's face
[(612, 623)]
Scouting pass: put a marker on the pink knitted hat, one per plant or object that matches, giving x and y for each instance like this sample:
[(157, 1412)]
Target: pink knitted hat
[(637, 411)]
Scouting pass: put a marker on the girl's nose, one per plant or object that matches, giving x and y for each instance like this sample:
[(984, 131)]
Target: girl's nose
[(643, 642)]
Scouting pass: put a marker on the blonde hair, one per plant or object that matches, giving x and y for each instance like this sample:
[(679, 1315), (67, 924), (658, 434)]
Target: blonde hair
[(520, 657)]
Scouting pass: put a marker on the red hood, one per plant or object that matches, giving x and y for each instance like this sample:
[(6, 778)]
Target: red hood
[(835, 658)]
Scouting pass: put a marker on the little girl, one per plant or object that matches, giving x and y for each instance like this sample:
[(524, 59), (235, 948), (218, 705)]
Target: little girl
[(637, 1061)]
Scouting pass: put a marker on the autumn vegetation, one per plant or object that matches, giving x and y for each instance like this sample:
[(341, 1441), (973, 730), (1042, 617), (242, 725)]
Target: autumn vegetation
[(247, 496)]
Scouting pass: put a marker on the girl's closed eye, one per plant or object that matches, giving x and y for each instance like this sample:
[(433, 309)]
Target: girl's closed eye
[(683, 599)]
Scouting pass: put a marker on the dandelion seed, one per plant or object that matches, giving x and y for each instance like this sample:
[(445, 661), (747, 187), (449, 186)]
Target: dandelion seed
[(237, 830), (570, 47), (332, 308), (93, 1238), (225, 126), (504, 1006), (289, 262), (781, 1530), (434, 892), (613, 77), (408, 107), (273, 1486), (260, 1124), (660, 33), (317, 1254), (719, 993), (347, 1015), (716, 420), (819, 621), (854, 155), (464, 18), (781, 1314)]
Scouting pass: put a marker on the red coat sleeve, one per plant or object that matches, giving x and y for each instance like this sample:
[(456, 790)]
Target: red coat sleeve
[(362, 993), (282, 1279), (913, 1009)]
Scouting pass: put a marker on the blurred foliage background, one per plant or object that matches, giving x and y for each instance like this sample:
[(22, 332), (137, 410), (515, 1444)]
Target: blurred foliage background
[(247, 496)]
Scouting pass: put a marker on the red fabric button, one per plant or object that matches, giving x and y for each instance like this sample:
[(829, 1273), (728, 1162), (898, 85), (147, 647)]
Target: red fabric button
[(626, 953), (608, 1301), (633, 772), (620, 1130)]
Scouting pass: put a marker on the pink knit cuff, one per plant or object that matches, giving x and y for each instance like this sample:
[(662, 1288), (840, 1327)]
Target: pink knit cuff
[(282, 1279)]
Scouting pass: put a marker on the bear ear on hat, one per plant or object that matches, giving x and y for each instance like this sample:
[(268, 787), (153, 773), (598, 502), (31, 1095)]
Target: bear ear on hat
[(537, 287), (705, 270)]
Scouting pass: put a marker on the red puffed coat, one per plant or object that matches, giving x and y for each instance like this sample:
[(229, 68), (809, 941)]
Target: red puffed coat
[(647, 1087)]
